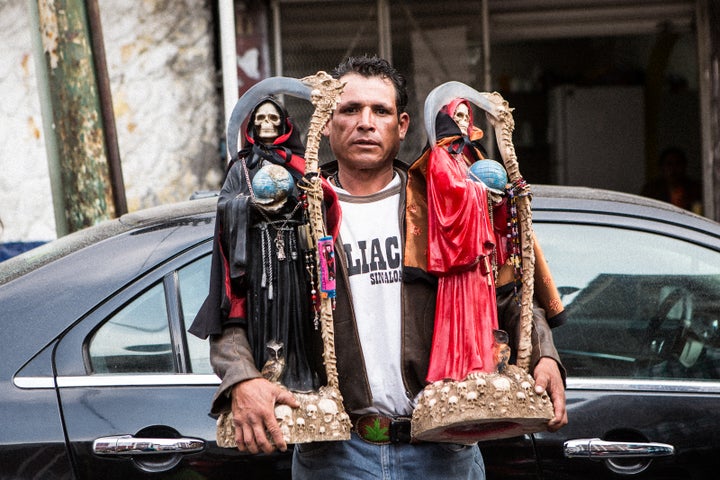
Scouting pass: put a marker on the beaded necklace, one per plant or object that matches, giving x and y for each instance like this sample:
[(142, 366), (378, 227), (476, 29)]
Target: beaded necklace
[(518, 188)]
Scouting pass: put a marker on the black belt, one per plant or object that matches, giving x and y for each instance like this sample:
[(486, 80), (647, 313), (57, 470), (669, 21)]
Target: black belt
[(381, 429)]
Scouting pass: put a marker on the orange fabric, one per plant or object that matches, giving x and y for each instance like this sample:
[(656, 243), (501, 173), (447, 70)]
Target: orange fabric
[(545, 290), (415, 253)]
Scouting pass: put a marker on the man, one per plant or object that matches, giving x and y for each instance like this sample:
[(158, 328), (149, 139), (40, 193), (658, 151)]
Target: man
[(673, 185), (383, 318)]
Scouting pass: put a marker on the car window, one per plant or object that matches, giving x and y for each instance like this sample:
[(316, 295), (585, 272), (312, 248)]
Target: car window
[(194, 284), (137, 338), (640, 304)]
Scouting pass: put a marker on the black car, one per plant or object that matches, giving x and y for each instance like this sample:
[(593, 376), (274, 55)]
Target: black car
[(99, 378)]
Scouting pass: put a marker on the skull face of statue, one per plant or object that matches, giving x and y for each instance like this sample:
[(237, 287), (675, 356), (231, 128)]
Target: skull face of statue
[(311, 411), (462, 117), (328, 408), (283, 414), (267, 122)]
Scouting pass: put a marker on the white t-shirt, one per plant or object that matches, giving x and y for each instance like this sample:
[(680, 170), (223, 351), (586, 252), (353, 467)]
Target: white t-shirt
[(370, 232)]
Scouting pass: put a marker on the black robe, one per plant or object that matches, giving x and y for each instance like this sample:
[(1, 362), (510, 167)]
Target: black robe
[(259, 279)]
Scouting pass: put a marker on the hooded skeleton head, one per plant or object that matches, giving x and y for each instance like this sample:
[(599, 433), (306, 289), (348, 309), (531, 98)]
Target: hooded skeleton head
[(267, 122)]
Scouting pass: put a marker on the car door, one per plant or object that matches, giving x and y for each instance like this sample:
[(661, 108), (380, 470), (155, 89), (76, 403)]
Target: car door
[(135, 388), (641, 348)]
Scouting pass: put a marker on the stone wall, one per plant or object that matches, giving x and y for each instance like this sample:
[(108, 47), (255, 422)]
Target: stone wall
[(160, 57), (25, 201)]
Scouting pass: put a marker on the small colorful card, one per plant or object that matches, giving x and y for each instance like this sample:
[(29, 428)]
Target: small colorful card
[(326, 251)]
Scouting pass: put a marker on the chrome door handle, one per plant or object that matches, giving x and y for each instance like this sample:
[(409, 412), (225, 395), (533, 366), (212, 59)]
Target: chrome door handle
[(129, 445), (600, 449)]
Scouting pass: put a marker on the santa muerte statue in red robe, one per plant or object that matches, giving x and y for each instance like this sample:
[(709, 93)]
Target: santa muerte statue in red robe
[(465, 232), (461, 246)]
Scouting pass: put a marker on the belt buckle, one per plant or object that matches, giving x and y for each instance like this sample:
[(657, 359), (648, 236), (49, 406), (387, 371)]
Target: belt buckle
[(373, 428), (382, 430), (400, 430)]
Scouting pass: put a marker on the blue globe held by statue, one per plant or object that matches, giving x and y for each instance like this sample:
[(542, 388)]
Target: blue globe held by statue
[(272, 185), (490, 172)]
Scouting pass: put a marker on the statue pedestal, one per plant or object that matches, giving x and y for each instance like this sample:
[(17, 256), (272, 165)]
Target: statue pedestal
[(483, 406), (320, 418)]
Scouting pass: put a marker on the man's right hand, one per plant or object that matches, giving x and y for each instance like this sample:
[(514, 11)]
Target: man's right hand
[(253, 409)]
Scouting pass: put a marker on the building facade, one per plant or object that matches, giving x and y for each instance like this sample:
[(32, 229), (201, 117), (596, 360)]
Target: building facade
[(599, 87)]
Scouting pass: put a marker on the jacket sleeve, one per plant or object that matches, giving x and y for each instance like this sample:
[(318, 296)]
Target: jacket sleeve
[(232, 361), (226, 300), (541, 337), (542, 342)]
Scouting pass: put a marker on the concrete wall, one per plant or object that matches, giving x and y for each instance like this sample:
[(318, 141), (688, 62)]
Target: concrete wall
[(160, 56), (25, 202)]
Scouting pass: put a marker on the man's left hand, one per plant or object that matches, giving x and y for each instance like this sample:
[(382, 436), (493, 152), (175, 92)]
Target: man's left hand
[(547, 378)]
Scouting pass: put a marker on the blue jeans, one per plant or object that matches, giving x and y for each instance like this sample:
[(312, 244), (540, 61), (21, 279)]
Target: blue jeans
[(357, 459)]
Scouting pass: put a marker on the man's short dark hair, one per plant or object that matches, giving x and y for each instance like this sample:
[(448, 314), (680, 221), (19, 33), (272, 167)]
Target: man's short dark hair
[(375, 66)]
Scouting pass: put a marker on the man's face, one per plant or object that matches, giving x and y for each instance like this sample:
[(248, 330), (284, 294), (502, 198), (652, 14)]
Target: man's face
[(365, 131)]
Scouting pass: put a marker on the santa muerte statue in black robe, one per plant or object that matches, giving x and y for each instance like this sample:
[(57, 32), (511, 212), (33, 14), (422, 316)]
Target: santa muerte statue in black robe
[(262, 276)]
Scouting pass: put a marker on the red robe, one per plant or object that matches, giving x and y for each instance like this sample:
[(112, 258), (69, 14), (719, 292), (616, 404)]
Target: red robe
[(460, 242)]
